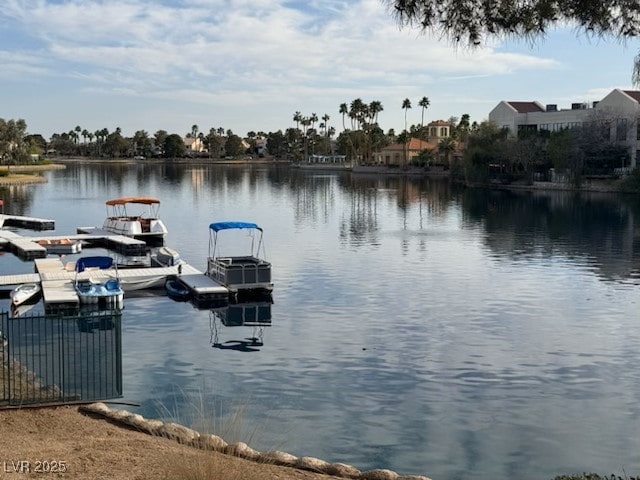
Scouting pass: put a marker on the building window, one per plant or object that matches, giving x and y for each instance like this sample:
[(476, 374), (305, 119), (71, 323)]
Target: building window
[(621, 130), (432, 132), (443, 132), (638, 129)]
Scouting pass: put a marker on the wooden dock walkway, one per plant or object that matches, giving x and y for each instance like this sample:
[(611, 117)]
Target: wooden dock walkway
[(28, 248), (57, 278)]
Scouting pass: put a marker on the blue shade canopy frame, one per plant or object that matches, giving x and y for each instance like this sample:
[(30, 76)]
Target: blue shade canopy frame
[(217, 226), (101, 262)]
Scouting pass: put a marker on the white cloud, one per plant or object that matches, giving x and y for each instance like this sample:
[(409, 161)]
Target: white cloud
[(247, 52)]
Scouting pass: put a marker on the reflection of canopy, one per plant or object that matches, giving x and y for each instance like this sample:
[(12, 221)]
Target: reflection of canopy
[(125, 200), (101, 262), (217, 226)]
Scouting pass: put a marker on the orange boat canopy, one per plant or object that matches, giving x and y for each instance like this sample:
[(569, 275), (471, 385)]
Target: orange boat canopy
[(125, 200)]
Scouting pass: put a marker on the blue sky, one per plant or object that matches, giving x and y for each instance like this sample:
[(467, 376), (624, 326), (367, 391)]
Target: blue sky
[(251, 64)]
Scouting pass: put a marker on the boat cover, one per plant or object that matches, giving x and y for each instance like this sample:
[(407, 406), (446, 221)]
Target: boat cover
[(125, 200), (217, 226), (100, 262)]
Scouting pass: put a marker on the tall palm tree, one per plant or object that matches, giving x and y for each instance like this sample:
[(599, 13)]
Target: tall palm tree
[(297, 117), (424, 103), (446, 146), (343, 110), (406, 105), (325, 119)]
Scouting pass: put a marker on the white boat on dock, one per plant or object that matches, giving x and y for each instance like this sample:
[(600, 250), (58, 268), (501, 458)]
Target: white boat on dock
[(142, 225), (94, 290)]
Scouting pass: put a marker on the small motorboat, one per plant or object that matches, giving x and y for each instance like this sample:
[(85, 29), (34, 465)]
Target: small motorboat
[(61, 246), (166, 257), (176, 289), (23, 293)]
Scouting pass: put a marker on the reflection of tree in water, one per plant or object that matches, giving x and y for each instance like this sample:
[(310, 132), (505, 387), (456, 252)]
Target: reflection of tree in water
[(17, 199), (414, 196), (359, 226), (314, 197), (600, 227)]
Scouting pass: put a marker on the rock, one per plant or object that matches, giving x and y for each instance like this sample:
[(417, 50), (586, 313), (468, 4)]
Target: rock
[(279, 458), (342, 470), (178, 432), (241, 449), (152, 427), (379, 474), (97, 408), (135, 420), (211, 442), (119, 415), (313, 464), (412, 477)]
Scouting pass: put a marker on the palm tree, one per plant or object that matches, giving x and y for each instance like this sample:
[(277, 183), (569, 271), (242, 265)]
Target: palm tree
[(406, 105), (297, 117), (446, 147), (424, 103), (343, 110), (375, 107)]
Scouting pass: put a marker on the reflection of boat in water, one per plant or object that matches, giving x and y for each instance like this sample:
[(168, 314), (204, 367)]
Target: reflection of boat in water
[(255, 314), (143, 225), (97, 320), (239, 274)]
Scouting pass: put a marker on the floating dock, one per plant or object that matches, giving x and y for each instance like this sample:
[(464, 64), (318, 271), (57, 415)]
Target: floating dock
[(28, 248), (31, 223), (57, 278)]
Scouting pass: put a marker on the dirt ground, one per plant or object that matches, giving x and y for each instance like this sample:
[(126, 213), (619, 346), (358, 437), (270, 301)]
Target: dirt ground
[(64, 443)]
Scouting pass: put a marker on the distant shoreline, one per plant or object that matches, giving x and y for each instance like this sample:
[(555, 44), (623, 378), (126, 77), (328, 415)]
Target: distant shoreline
[(23, 174)]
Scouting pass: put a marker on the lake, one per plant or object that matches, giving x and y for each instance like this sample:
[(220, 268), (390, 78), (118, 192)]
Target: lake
[(415, 325)]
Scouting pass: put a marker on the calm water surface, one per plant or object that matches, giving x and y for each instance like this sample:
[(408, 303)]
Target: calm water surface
[(452, 333)]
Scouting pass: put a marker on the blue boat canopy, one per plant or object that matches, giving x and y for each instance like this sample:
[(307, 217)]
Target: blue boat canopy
[(101, 262), (217, 226)]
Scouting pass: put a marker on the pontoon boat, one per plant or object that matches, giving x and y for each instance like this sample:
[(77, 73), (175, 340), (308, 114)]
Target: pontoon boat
[(143, 225), (240, 274)]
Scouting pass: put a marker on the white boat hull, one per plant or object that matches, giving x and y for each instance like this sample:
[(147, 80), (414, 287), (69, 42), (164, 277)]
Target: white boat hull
[(23, 293)]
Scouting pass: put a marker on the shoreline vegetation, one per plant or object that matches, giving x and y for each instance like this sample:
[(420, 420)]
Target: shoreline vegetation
[(30, 174)]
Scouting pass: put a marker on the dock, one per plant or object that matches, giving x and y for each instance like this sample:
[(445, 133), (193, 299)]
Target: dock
[(28, 248), (57, 278), (31, 223)]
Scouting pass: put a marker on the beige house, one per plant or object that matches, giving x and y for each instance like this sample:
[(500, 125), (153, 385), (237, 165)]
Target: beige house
[(618, 111), (194, 145), (438, 130), (394, 154)]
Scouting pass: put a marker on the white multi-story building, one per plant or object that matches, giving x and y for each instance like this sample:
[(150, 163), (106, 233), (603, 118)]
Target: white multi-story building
[(619, 111)]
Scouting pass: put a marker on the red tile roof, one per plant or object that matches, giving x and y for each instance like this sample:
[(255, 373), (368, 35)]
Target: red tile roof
[(526, 107), (635, 94), (438, 123)]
